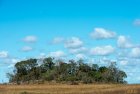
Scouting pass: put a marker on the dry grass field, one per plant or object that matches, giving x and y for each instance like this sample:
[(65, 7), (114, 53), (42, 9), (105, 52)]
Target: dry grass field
[(69, 89)]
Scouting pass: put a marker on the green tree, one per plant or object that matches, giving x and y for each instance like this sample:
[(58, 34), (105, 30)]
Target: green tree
[(30, 71)]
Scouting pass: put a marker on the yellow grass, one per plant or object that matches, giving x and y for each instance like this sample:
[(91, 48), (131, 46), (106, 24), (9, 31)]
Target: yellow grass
[(70, 89)]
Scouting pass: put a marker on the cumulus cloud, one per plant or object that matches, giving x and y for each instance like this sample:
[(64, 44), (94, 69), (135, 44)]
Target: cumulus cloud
[(80, 56), (57, 40), (3, 54), (124, 42), (101, 33), (30, 39), (73, 42), (137, 22), (26, 49), (103, 50), (78, 50), (57, 54), (135, 53)]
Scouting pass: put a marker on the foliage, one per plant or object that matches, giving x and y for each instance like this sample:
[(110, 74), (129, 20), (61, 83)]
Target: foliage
[(75, 72)]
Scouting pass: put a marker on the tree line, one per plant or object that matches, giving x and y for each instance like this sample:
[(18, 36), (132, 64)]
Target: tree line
[(74, 72)]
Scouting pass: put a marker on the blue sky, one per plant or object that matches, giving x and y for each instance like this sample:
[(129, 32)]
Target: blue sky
[(96, 30)]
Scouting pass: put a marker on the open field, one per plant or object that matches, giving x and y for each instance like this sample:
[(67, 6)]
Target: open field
[(69, 89)]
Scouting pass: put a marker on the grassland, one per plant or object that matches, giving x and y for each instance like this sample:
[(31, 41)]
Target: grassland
[(70, 89)]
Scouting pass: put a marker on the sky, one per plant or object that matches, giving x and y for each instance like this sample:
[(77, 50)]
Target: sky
[(98, 31)]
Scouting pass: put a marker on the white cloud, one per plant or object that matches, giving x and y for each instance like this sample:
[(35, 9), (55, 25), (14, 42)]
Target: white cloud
[(30, 39), (57, 40), (123, 53), (57, 54), (106, 60), (3, 54), (124, 42), (15, 60), (103, 50), (26, 49), (78, 50), (123, 62), (135, 53), (92, 61), (11, 62), (74, 42), (11, 65), (101, 33), (137, 22), (80, 56), (42, 55)]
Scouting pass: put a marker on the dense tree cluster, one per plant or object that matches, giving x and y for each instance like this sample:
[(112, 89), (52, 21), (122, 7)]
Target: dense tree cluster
[(32, 70)]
